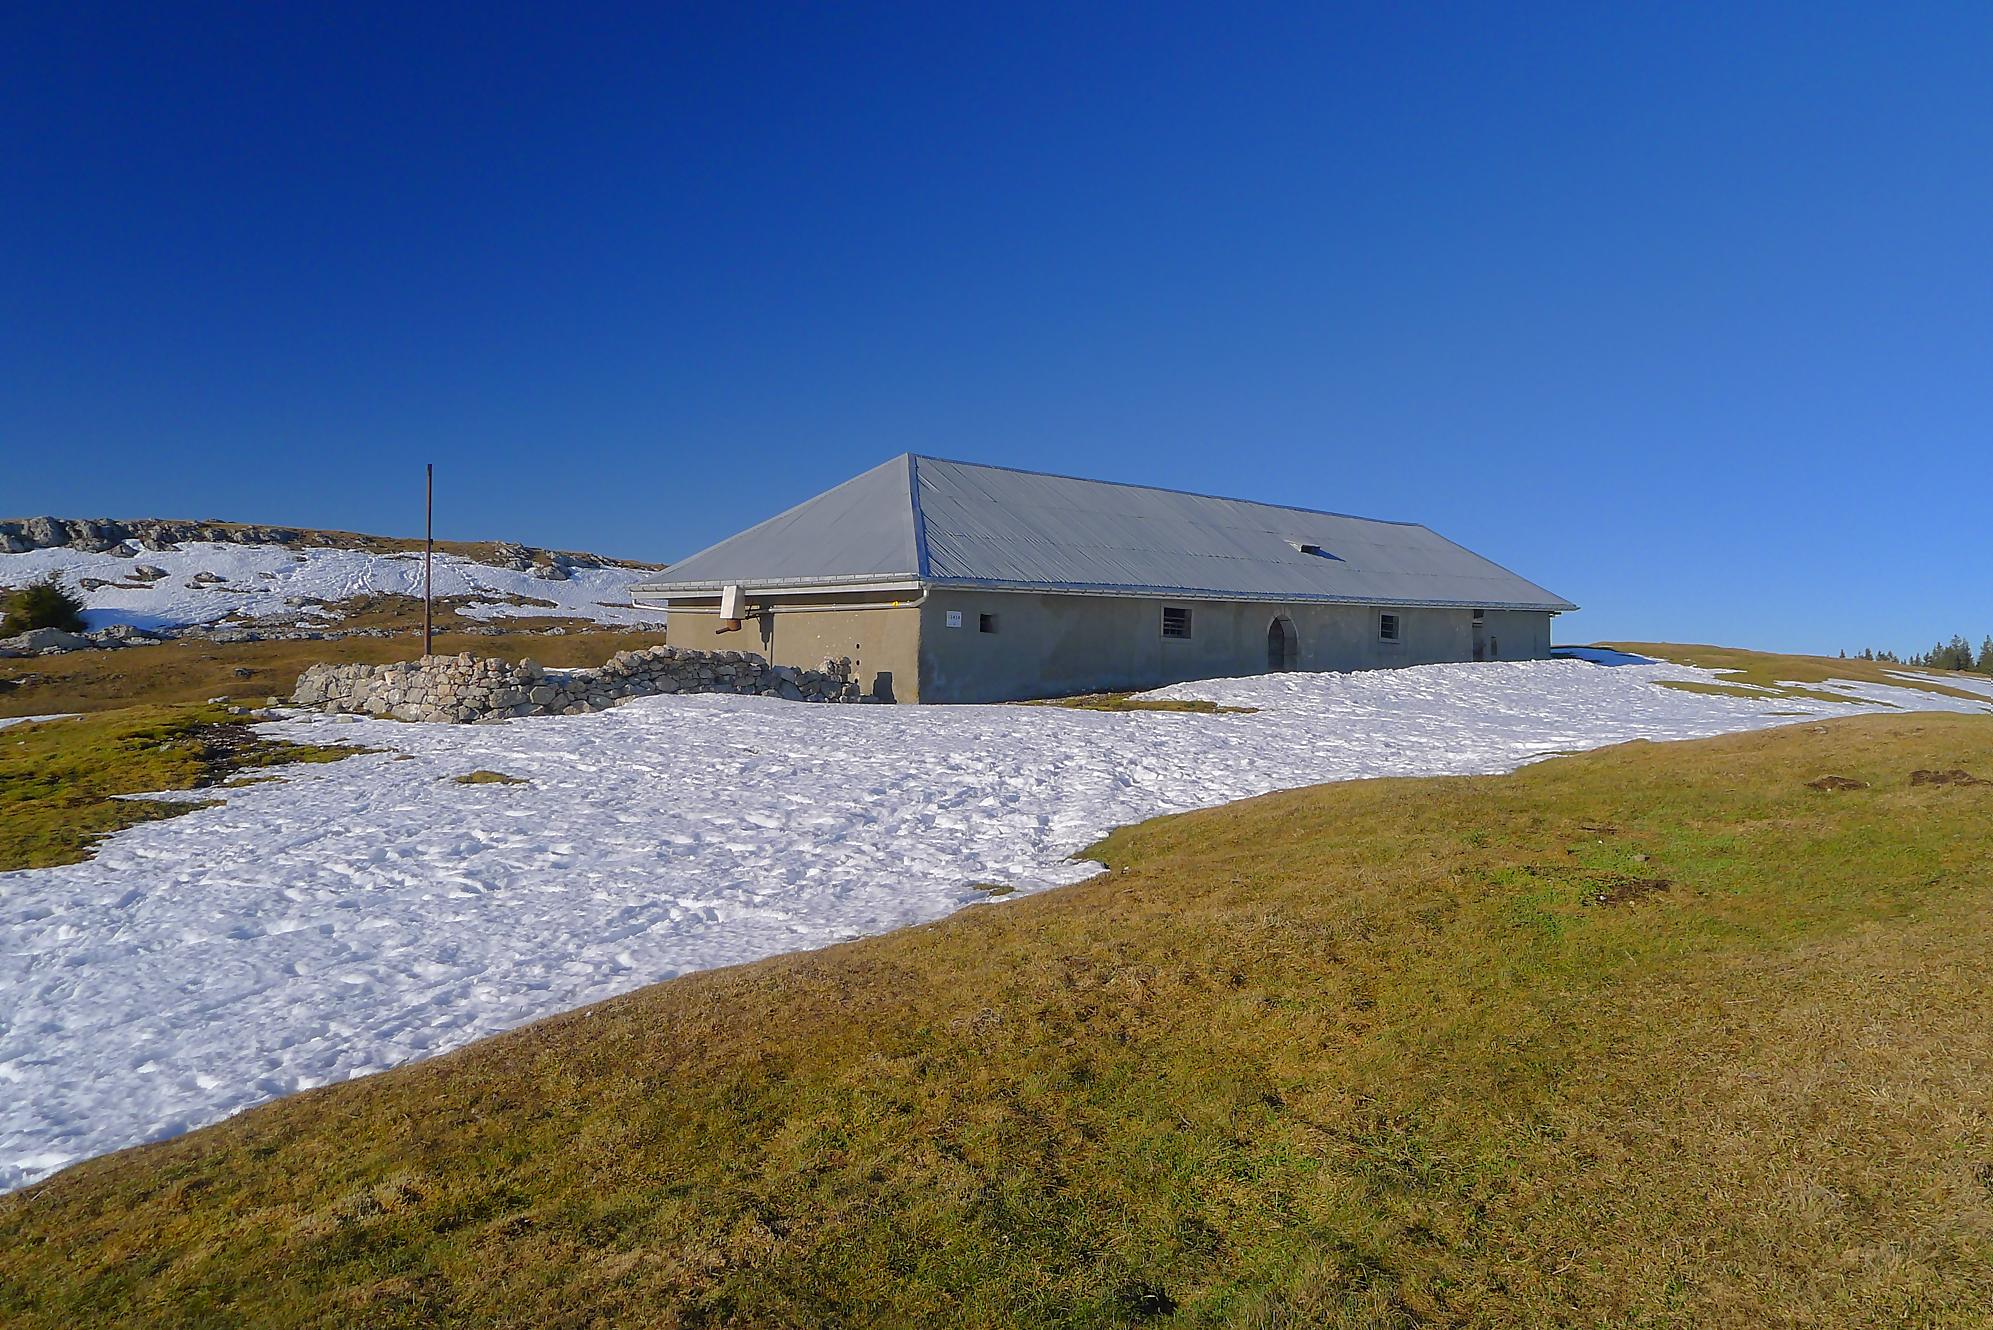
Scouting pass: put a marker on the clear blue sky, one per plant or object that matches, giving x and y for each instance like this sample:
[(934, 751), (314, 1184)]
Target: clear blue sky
[(1683, 311)]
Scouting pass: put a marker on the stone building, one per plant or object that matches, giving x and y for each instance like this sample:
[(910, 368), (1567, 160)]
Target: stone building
[(953, 582)]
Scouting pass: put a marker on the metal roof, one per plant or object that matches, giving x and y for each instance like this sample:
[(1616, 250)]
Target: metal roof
[(922, 519)]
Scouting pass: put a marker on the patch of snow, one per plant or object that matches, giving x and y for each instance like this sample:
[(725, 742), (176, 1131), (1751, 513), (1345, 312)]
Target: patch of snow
[(1887, 694), (275, 580), (5, 721), (1970, 683), (360, 914)]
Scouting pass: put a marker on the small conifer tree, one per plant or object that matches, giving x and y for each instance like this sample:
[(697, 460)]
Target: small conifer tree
[(43, 604)]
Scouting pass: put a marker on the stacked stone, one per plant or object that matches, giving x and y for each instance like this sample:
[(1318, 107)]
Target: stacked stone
[(472, 688)]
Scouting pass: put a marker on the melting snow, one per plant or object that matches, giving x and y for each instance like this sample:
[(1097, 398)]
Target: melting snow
[(5, 721), (364, 913)]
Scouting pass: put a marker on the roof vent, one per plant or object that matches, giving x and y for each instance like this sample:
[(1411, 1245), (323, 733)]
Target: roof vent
[(1309, 547)]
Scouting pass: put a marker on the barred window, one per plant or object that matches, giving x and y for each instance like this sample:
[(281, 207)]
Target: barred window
[(1176, 621), (1387, 627)]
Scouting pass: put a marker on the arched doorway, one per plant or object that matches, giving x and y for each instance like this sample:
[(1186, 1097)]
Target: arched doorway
[(1283, 648)]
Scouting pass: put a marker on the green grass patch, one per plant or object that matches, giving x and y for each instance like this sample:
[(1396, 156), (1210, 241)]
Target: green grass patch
[(60, 780), (1650, 1036)]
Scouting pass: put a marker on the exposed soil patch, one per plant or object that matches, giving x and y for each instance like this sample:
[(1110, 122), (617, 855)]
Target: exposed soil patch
[(1953, 777), (222, 742), (1602, 886), (225, 748), (1836, 783), (1622, 888)]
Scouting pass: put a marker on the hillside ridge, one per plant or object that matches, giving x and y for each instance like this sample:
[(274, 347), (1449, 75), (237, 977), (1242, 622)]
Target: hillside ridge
[(103, 535)]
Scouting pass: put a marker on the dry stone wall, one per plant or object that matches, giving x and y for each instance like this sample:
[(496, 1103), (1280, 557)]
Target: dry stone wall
[(472, 688)]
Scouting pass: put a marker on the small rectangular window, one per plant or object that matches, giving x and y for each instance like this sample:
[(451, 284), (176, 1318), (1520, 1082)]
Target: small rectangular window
[(1176, 621), (1387, 627), (986, 623)]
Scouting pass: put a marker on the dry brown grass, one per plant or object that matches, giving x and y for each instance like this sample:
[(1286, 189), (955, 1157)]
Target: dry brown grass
[(1385, 1053), (192, 671)]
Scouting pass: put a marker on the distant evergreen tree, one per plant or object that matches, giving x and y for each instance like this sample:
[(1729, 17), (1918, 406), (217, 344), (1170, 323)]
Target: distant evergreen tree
[(1958, 653), (1985, 663), (43, 604)]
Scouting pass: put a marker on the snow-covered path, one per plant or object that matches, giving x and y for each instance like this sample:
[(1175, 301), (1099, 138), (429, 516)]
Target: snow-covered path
[(360, 914)]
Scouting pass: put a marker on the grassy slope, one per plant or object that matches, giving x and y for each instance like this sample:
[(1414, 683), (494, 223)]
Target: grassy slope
[(1769, 670), (59, 780), (194, 671), (1366, 1054)]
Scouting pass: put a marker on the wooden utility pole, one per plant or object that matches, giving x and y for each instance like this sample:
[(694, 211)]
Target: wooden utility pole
[(428, 555)]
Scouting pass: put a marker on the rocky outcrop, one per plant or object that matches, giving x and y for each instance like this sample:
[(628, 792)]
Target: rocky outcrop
[(101, 535), (42, 642), (54, 641), (472, 688)]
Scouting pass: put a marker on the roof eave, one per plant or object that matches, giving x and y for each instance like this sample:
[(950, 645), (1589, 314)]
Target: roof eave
[(663, 590)]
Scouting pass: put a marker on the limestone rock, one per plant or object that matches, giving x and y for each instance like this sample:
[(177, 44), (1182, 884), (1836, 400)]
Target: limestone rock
[(38, 640)]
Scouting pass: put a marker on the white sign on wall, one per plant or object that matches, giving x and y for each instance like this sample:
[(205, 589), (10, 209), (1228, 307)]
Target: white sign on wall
[(954, 618)]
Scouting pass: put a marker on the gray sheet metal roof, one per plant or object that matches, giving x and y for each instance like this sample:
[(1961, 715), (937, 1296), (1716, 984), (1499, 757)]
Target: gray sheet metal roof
[(962, 524), (860, 531)]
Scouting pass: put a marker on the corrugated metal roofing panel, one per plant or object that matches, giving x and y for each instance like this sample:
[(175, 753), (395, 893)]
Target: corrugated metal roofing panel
[(996, 526)]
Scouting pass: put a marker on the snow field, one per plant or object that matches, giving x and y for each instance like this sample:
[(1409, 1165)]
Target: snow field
[(262, 580), (360, 914)]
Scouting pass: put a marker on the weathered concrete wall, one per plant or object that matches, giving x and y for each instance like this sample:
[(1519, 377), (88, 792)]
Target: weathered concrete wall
[(469, 688), (1054, 645), (882, 641), (1518, 635)]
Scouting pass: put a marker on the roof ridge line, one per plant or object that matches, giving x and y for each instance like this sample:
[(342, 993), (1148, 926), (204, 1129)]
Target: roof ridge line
[(1162, 489), (919, 517)]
